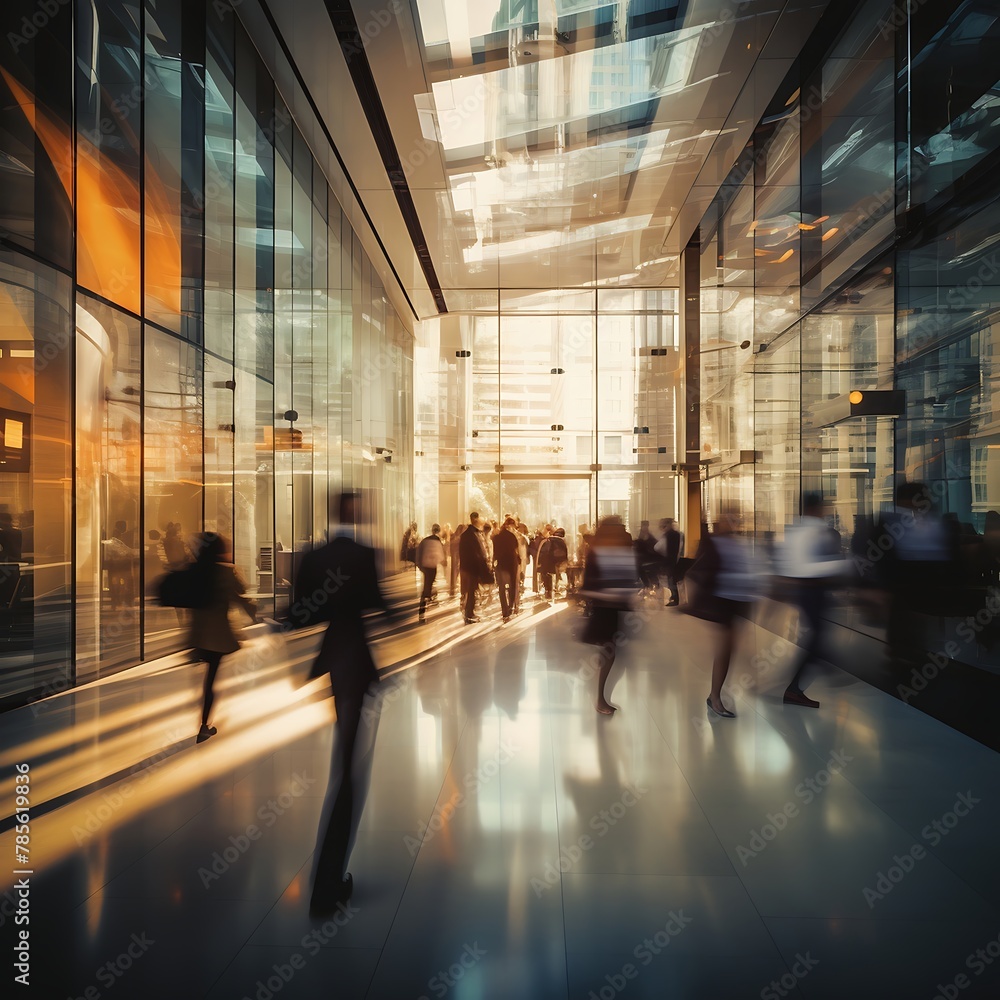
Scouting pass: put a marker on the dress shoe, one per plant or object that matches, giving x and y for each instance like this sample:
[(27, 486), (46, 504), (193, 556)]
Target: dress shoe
[(798, 698), (472, 621), (724, 714), (206, 732)]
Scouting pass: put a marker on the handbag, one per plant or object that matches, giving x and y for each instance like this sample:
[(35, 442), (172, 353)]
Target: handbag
[(190, 587)]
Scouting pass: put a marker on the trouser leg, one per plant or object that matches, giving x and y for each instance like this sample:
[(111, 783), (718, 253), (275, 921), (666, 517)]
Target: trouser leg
[(811, 603), (213, 659)]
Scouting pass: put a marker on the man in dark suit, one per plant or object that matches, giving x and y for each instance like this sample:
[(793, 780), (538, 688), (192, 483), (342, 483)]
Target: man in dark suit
[(337, 583), (508, 562), (474, 566)]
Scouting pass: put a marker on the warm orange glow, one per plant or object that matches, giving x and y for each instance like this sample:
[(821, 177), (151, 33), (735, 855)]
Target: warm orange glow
[(830, 232), (264, 730), (783, 257), (109, 216), (856, 396), (54, 138)]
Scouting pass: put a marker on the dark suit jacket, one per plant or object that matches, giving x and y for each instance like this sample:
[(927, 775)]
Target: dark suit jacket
[(337, 584), (673, 546), (505, 553), (472, 554)]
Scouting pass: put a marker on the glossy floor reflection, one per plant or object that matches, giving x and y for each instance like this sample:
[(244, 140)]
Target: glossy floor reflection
[(517, 844)]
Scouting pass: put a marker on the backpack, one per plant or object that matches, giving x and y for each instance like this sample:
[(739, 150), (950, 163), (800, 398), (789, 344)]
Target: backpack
[(190, 587)]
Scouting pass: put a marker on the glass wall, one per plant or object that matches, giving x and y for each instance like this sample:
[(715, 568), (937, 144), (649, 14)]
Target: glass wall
[(558, 406), (853, 250), (202, 344), (798, 287)]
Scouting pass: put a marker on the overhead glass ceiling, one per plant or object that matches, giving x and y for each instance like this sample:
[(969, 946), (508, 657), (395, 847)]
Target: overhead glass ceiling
[(571, 134)]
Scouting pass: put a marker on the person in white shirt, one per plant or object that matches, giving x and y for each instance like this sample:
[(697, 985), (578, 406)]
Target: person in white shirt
[(811, 557), (430, 555)]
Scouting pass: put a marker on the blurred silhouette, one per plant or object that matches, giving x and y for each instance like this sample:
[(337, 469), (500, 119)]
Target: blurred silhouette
[(408, 548), (475, 567), (211, 633), (521, 533), (455, 561), (119, 560), (533, 546), (918, 568), (553, 560), (431, 554), (668, 547), (648, 560), (337, 583), (811, 560), (725, 584), (175, 549), (610, 578), (508, 562)]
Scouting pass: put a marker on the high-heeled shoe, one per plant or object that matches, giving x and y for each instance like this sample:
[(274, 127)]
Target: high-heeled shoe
[(724, 714)]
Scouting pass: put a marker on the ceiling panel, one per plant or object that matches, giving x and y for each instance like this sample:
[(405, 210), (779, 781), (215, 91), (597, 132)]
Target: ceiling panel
[(562, 143)]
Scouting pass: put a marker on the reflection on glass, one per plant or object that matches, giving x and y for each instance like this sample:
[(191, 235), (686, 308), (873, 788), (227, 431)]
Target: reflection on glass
[(953, 84), (35, 479), (173, 404), (36, 133), (108, 112), (108, 497)]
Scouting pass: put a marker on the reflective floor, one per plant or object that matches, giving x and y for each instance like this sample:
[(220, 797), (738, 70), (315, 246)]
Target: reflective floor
[(515, 844)]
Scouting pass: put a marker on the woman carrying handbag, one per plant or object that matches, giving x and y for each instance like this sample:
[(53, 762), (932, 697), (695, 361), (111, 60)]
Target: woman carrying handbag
[(211, 633)]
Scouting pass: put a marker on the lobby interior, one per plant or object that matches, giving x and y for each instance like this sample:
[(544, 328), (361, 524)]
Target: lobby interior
[(566, 260)]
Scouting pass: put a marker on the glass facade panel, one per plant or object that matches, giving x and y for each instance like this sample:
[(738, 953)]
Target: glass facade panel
[(211, 344), (174, 453), (36, 456), (872, 270), (220, 188), (36, 130), (109, 100), (951, 84), (109, 496), (557, 388)]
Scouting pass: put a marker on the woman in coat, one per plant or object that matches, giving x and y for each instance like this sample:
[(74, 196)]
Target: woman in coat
[(211, 633)]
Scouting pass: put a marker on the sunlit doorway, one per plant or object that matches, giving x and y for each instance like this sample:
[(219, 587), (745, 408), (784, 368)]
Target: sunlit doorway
[(562, 501)]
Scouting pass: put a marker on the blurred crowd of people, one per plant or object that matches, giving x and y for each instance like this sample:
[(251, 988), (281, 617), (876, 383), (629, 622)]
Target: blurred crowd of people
[(921, 563), (483, 560)]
